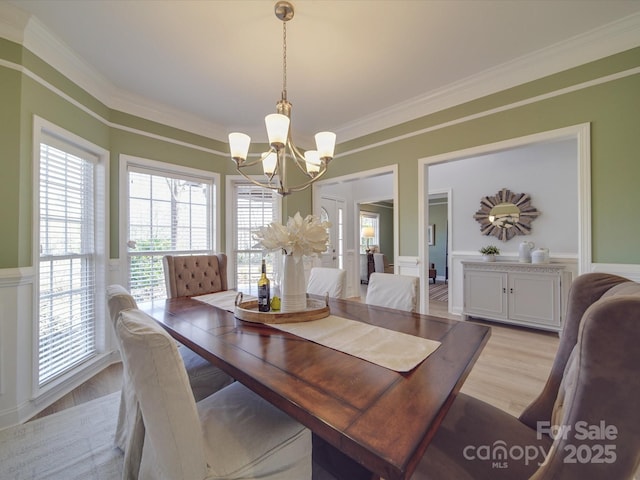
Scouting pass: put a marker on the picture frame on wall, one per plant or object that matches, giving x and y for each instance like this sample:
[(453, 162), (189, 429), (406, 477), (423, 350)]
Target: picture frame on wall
[(431, 234)]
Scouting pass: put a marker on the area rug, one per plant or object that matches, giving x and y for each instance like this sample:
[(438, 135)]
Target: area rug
[(439, 292), (76, 443)]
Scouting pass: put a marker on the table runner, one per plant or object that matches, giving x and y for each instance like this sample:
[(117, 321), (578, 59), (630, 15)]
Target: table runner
[(388, 348)]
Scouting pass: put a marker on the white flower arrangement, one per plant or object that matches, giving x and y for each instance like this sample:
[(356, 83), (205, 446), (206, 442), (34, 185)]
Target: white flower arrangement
[(300, 237)]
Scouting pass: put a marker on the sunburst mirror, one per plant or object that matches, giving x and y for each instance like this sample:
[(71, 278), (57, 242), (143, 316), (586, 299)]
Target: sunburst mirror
[(506, 214)]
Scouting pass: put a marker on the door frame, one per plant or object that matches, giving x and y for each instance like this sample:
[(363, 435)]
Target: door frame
[(352, 234)]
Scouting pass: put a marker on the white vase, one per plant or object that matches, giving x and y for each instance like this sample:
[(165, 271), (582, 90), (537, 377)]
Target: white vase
[(293, 288), (489, 258)]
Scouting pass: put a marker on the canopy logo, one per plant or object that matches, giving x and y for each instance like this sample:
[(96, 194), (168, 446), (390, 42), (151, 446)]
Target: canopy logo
[(593, 448)]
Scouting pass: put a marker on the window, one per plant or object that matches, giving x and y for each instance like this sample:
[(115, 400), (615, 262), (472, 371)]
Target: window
[(70, 184), (253, 207), (169, 213), (369, 223)]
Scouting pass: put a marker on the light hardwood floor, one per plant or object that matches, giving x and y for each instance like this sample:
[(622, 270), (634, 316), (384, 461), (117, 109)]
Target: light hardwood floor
[(509, 373), (513, 367)]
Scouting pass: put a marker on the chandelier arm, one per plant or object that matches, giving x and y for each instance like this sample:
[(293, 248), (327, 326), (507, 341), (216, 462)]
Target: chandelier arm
[(298, 158), (269, 186), (257, 161), (302, 186)]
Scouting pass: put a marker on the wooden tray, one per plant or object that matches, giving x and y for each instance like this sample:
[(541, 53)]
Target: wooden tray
[(248, 311)]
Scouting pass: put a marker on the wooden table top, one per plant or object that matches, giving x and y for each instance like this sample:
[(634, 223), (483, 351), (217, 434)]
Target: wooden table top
[(382, 419)]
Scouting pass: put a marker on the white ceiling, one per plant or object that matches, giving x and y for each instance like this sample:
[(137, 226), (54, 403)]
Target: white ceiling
[(354, 66)]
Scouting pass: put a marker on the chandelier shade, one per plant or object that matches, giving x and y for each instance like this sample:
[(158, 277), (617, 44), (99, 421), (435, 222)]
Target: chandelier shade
[(312, 163)]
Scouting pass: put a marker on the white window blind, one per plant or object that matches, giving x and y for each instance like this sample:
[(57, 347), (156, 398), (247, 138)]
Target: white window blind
[(255, 207), (169, 214), (67, 263)]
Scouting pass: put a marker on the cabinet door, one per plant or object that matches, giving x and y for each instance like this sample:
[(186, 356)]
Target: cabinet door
[(534, 298), (485, 294)]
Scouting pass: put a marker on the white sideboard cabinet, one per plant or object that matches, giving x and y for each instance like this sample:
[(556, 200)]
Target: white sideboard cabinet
[(532, 295)]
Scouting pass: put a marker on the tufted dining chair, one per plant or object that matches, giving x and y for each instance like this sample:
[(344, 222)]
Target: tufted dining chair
[(189, 275), (393, 291), (232, 434), (204, 379), (585, 424), (325, 280)]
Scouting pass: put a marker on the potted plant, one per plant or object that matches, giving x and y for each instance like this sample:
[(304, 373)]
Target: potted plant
[(489, 253)]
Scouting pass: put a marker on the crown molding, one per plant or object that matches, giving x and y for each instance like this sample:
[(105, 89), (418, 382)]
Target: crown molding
[(615, 37), (13, 22), (607, 40)]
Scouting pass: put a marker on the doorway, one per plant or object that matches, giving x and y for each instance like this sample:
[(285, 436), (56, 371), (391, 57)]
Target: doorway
[(355, 189), (534, 173)]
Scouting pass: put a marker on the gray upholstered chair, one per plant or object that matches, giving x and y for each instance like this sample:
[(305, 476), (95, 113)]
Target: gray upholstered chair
[(590, 403), (189, 275), (324, 280), (381, 264), (204, 380), (393, 291), (231, 434)]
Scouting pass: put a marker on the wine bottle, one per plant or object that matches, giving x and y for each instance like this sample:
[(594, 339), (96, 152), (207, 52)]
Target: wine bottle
[(264, 293)]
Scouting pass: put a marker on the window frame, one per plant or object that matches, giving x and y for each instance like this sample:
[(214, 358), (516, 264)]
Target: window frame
[(43, 132), (155, 167), (375, 219), (232, 181)]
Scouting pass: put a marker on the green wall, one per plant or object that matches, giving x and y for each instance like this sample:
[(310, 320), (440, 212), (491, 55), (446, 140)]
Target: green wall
[(612, 108)]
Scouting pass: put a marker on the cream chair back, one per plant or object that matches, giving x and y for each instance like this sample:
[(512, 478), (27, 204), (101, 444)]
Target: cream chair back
[(323, 280), (381, 264), (204, 379), (393, 291), (161, 385), (233, 434), (129, 434)]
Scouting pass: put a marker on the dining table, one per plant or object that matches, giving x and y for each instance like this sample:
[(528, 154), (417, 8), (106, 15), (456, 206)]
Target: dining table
[(364, 417)]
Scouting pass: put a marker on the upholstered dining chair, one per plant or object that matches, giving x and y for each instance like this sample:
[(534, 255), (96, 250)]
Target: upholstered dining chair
[(586, 422), (325, 280), (231, 434), (381, 264), (204, 379), (190, 275), (393, 291)]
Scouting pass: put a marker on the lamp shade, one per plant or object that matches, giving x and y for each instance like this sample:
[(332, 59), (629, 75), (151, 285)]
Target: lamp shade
[(368, 232), (277, 129), (326, 144), (269, 163), (239, 145), (312, 161)]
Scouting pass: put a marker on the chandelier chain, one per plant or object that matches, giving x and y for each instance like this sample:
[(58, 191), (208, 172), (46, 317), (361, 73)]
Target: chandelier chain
[(284, 60), (312, 163)]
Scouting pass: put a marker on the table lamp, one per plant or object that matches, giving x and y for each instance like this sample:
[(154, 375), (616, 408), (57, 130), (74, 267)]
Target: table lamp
[(368, 233)]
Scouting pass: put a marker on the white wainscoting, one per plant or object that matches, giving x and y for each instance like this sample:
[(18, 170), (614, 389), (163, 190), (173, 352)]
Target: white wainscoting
[(18, 355), (16, 293), (630, 271), (405, 265)]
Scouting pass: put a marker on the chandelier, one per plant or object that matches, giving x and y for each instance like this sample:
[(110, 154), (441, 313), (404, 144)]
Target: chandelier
[(313, 163)]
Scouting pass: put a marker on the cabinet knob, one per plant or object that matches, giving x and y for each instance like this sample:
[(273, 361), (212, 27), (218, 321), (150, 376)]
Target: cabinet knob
[(504, 290), (511, 290)]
